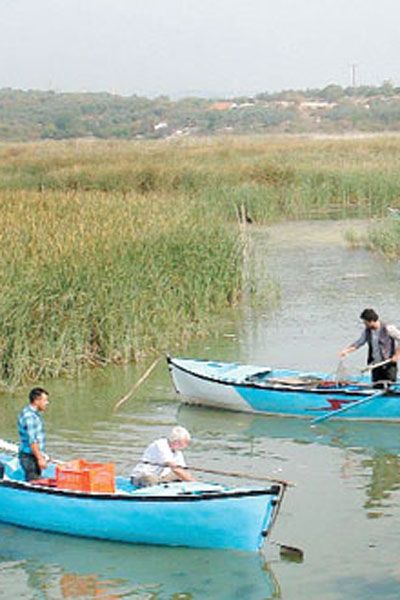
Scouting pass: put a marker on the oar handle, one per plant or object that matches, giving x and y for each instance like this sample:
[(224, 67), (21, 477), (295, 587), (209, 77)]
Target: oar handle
[(376, 365)]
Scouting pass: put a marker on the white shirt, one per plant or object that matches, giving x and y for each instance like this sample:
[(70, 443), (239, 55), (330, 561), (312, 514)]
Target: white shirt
[(155, 457)]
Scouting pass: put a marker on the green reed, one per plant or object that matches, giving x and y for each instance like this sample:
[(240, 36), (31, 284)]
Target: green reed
[(384, 237), (112, 251), (90, 278)]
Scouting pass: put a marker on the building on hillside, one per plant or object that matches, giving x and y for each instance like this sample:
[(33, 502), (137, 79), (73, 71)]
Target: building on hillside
[(222, 106), (160, 125)]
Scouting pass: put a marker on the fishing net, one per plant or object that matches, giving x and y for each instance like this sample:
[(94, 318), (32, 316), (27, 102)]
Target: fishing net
[(342, 374)]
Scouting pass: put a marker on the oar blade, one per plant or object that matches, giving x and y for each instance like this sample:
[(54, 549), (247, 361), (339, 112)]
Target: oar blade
[(291, 553)]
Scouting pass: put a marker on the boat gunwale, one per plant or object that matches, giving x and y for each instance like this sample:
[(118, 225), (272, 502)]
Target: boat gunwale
[(126, 496), (281, 387)]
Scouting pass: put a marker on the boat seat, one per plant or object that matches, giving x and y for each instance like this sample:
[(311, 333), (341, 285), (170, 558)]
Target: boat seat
[(261, 376)]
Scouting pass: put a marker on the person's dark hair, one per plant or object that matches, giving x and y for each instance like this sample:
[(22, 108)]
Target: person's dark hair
[(36, 393), (368, 314)]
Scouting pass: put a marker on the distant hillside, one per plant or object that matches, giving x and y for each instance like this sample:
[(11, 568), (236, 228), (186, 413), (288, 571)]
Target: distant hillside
[(35, 115)]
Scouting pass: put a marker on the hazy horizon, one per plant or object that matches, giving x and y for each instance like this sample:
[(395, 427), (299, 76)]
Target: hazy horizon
[(180, 48)]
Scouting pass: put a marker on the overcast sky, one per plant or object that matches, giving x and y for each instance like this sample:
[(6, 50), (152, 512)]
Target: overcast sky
[(197, 47)]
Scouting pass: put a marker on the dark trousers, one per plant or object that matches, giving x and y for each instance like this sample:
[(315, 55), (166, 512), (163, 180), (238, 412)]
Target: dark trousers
[(30, 466), (385, 373)]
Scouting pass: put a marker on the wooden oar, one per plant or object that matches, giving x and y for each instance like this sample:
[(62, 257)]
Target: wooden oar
[(242, 475), (343, 409), (225, 473), (137, 384), (376, 365), (288, 552)]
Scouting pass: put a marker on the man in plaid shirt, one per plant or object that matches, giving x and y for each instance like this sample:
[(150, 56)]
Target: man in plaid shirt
[(32, 434)]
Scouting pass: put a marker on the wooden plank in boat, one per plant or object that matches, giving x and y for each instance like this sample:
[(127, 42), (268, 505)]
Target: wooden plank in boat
[(296, 381)]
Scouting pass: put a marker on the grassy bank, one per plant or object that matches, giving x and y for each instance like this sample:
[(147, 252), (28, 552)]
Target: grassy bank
[(115, 251)]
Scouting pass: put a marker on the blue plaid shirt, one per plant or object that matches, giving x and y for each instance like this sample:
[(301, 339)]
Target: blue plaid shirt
[(31, 430)]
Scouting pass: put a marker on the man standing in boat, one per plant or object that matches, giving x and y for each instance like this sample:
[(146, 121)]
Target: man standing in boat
[(382, 343), (163, 460), (32, 434)]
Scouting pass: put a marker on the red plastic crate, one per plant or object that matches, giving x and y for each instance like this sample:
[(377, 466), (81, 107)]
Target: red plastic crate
[(84, 476)]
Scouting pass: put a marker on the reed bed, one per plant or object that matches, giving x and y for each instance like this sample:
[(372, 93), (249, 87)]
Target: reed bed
[(89, 278), (112, 251)]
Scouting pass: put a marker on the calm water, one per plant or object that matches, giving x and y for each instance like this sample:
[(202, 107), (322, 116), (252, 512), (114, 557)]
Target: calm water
[(344, 511)]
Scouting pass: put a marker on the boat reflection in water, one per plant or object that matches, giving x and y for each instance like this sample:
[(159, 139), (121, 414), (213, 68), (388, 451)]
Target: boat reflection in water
[(369, 436), (57, 566), (374, 446)]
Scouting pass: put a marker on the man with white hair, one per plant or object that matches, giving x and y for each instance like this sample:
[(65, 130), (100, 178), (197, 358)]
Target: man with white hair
[(163, 460)]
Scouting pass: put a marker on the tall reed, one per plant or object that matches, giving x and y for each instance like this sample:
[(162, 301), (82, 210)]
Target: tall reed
[(384, 237), (94, 277)]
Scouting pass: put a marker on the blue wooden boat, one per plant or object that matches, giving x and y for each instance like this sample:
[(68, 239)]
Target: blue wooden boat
[(194, 514), (281, 392)]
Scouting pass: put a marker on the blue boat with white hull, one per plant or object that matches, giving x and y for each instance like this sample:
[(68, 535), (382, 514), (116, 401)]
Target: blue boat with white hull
[(193, 514), (281, 392)]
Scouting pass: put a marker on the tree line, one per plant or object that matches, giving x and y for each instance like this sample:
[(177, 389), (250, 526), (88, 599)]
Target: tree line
[(40, 115)]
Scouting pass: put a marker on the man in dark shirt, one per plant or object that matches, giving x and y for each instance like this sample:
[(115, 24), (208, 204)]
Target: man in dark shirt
[(382, 342)]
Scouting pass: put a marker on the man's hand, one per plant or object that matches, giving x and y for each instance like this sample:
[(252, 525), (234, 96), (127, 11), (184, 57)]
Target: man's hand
[(41, 459), (346, 351), (42, 462)]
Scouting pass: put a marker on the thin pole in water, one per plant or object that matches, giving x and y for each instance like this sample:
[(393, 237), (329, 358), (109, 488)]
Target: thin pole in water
[(137, 384)]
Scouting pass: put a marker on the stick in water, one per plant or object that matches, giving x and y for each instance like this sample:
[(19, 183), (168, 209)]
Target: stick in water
[(137, 384)]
